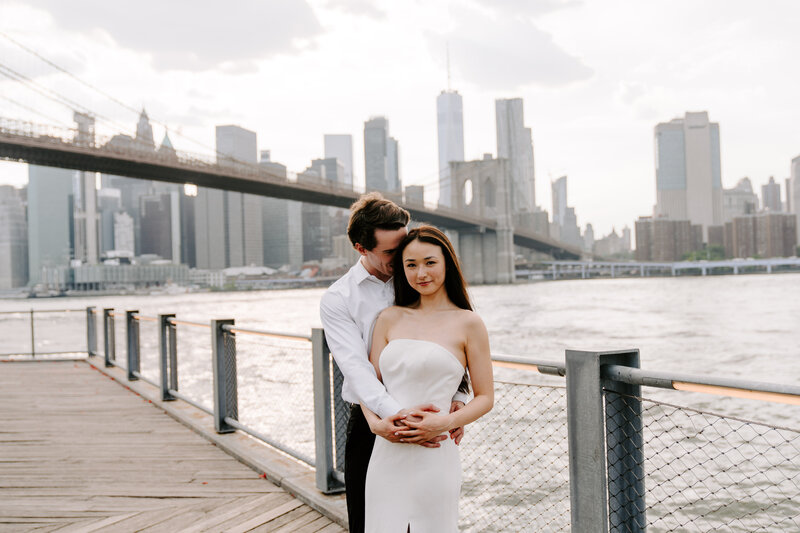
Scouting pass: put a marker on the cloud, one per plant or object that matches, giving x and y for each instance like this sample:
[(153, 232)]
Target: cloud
[(195, 35), (527, 7), (366, 8), (506, 53)]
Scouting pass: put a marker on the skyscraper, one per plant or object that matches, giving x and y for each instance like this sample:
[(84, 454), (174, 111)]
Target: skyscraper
[(86, 240), (144, 134), (282, 223), (450, 124), (515, 143), (559, 194), (771, 195), (13, 239), (688, 175), (49, 219), (236, 146), (795, 176), (341, 147), (381, 157)]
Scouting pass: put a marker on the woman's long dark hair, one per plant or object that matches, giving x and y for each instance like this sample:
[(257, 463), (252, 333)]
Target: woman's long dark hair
[(454, 284)]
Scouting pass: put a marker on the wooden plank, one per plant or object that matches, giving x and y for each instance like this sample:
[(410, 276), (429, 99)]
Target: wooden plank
[(266, 517), (81, 453)]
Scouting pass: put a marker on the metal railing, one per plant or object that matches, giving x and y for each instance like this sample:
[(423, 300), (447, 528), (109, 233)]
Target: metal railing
[(590, 453), (21, 329)]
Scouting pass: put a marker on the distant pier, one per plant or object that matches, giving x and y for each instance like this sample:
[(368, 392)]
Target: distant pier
[(554, 270)]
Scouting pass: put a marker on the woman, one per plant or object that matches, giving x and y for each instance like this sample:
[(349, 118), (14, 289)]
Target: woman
[(422, 349)]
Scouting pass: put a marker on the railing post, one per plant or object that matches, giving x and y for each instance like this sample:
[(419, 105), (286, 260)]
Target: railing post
[(164, 358), (606, 462), (323, 424), (109, 341), (33, 338), (132, 330), (223, 352), (91, 332)]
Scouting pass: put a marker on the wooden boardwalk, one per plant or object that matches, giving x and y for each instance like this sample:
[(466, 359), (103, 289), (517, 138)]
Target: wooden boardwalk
[(79, 453)]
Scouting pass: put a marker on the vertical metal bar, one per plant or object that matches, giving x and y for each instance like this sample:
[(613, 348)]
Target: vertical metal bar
[(33, 338), (341, 416), (625, 451), (163, 350), (591, 461), (91, 332), (132, 330), (107, 335), (323, 425), (224, 397), (173, 356)]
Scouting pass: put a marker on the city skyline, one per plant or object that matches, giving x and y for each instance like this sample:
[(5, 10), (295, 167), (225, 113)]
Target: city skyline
[(591, 102)]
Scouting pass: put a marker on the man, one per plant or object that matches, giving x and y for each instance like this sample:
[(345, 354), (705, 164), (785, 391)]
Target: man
[(348, 311)]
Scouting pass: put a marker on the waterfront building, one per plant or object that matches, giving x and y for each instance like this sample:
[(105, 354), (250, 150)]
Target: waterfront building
[(559, 196), (244, 238), (109, 201), (665, 240), (340, 146), (795, 177), (644, 239), (688, 174), (209, 229), (738, 201), (376, 154), (50, 221), (156, 225), (515, 143), (393, 165), (13, 239), (610, 246), (789, 188), (588, 238), (716, 236), (282, 224), (328, 169), (317, 243), (450, 127), (762, 235), (124, 239), (771, 196)]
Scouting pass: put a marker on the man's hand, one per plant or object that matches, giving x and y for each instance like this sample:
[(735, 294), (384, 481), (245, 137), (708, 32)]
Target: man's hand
[(425, 426), (456, 433), (389, 426), (417, 436)]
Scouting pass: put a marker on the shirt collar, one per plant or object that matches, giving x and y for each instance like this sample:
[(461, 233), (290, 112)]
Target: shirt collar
[(360, 274)]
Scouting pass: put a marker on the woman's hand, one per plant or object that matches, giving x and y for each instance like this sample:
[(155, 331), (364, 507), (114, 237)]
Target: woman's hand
[(425, 426)]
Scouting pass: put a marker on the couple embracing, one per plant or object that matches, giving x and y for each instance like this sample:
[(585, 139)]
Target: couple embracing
[(401, 328)]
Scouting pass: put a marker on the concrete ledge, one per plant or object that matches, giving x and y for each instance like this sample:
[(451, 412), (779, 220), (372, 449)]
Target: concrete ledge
[(284, 471)]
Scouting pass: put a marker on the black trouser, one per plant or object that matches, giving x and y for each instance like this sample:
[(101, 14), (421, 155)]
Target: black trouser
[(356, 460)]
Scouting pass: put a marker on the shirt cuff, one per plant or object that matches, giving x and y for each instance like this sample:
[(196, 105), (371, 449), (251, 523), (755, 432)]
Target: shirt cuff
[(462, 397), (388, 407)]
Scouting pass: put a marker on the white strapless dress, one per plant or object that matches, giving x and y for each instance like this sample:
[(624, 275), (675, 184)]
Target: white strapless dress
[(410, 486)]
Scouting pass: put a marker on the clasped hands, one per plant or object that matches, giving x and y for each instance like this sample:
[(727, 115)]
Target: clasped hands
[(420, 425)]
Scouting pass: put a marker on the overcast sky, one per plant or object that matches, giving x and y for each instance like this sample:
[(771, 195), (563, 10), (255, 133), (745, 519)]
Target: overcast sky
[(596, 77)]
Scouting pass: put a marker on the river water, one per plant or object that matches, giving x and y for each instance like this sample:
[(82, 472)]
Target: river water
[(745, 326)]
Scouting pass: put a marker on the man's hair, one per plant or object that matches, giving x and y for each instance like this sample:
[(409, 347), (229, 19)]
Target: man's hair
[(370, 212)]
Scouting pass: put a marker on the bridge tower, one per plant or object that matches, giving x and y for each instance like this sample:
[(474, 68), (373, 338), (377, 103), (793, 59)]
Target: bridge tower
[(482, 188)]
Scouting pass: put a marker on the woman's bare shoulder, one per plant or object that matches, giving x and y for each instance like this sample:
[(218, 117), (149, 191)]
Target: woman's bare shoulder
[(391, 312)]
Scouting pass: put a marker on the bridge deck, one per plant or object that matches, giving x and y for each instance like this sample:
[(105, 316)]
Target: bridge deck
[(80, 453)]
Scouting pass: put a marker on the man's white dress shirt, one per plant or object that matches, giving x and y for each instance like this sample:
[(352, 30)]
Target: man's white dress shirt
[(348, 310)]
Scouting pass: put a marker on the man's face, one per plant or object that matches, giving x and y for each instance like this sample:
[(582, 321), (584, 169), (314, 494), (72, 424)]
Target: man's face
[(378, 261)]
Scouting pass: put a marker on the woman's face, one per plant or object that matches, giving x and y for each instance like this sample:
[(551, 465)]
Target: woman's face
[(424, 267)]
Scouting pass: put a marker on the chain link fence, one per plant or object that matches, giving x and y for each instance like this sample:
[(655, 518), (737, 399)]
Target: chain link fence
[(711, 472), (44, 333), (515, 462), (276, 395)]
